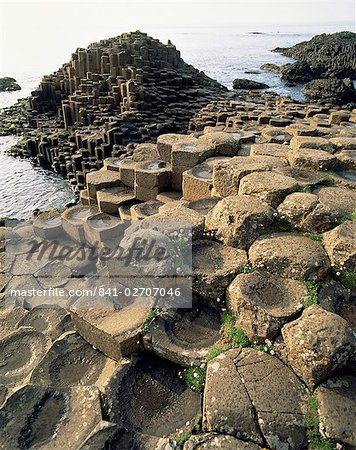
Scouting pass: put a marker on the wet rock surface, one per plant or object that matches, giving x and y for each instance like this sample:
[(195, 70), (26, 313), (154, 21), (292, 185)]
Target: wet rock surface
[(8, 84), (243, 83)]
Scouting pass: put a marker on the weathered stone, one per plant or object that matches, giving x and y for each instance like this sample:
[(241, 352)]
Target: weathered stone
[(262, 303), (109, 199), (203, 206), (145, 152), (312, 159), (298, 129), (317, 143), (49, 418), (115, 333), (102, 227), (238, 220), (275, 135), (9, 84), (214, 267), (340, 246), (337, 411), (290, 255), (344, 143), (101, 179), (180, 214), (222, 143), (330, 90), (197, 182), (243, 83), (296, 207), (210, 441), (73, 221), (146, 209), (9, 319), (304, 177), (295, 73), (334, 203), (151, 178), (277, 150), (165, 143), (184, 336), (318, 344), (149, 397), (52, 322), (270, 187), (227, 175), (82, 365), (248, 393), (48, 225), (184, 157), (20, 352), (336, 117)]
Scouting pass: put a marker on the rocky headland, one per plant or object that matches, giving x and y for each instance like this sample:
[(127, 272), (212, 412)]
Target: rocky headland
[(327, 59), (265, 358)]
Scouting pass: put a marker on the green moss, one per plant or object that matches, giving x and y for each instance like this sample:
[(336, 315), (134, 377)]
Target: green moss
[(328, 179), (182, 438), (304, 188), (316, 441), (248, 268), (152, 314), (351, 216), (348, 279), (312, 289), (315, 237), (195, 378), (213, 353)]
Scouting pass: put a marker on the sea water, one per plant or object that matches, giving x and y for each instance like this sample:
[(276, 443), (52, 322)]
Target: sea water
[(222, 53)]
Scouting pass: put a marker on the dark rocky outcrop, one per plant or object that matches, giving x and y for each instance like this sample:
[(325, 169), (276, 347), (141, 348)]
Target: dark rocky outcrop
[(299, 72), (331, 90), (243, 83), (8, 84), (333, 55), (270, 67)]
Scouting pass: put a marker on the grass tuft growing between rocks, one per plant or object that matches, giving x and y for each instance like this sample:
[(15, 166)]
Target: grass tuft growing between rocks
[(315, 236), (304, 188), (312, 289), (315, 439), (348, 279), (351, 216), (152, 314), (328, 179), (181, 439), (194, 378)]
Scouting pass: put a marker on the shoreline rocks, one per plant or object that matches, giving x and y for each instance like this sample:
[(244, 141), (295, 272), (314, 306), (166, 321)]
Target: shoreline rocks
[(244, 83), (9, 84)]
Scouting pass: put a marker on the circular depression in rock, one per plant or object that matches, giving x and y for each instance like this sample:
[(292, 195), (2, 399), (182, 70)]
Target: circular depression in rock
[(151, 398), (19, 354), (44, 421), (71, 361), (198, 327)]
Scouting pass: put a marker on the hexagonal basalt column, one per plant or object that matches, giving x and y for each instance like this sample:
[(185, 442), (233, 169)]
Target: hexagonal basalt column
[(197, 182), (72, 361), (165, 143), (184, 157), (48, 225), (20, 352), (110, 199), (40, 417), (73, 221), (151, 178), (102, 227), (101, 179), (184, 336), (149, 397)]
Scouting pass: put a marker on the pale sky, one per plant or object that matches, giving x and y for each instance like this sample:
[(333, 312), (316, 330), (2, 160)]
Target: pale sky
[(30, 29)]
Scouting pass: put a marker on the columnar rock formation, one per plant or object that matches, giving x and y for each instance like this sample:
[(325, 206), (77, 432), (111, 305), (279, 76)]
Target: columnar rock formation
[(118, 91), (265, 358)]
